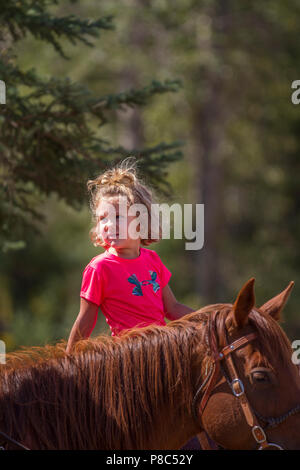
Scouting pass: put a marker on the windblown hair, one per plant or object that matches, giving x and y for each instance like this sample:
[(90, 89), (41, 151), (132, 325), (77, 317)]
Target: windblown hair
[(110, 392), (121, 180)]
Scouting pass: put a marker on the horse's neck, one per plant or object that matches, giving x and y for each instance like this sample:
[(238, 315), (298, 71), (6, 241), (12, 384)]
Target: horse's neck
[(173, 430), (171, 422)]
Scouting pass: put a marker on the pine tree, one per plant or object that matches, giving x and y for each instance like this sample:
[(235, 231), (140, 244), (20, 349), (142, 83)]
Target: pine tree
[(50, 128)]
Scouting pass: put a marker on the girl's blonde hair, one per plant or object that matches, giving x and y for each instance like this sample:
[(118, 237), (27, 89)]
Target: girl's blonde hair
[(121, 180)]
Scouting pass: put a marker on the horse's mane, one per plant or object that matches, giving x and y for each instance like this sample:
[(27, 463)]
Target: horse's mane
[(59, 399), (119, 382)]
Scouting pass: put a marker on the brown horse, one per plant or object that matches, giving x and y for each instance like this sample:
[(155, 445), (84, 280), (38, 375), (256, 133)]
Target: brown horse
[(156, 387)]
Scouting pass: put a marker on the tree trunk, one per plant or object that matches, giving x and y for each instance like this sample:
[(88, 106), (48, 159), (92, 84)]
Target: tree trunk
[(208, 187), (208, 130), (132, 133)]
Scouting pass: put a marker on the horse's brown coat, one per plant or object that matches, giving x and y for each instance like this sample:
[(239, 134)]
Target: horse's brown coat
[(136, 391)]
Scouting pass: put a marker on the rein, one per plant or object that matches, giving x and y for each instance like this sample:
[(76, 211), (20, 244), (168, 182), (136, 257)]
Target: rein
[(12, 441), (273, 422), (237, 388)]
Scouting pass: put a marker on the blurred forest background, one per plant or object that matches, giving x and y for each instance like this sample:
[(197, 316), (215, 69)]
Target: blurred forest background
[(200, 92)]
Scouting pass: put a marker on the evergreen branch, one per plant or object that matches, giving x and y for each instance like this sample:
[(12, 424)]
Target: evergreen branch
[(32, 17), (73, 99), (47, 142), (137, 97)]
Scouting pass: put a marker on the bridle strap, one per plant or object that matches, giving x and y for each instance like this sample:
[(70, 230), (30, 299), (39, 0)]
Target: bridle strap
[(12, 441), (235, 383), (219, 356), (239, 392)]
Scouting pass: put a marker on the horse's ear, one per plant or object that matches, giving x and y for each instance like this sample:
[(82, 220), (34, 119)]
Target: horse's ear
[(275, 306), (244, 303)]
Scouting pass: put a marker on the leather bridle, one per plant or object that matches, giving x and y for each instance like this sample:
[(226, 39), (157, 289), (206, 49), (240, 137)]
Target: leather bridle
[(233, 380), (236, 385)]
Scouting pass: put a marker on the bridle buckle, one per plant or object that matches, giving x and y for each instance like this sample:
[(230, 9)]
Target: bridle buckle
[(235, 384), (261, 438), (241, 385), (259, 434)]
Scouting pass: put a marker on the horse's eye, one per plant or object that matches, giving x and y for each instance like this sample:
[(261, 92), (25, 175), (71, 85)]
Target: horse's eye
[(260, 377)]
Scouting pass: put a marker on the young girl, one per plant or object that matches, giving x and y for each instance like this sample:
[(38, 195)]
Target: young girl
[(128, 282)]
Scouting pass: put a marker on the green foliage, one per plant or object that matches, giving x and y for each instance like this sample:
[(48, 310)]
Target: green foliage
[(53, 138), (23, 17), (50, 128), (237, 62)]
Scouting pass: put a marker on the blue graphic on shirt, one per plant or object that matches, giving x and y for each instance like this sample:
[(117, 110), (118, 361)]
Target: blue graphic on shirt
[(134, 280), (138, 285)]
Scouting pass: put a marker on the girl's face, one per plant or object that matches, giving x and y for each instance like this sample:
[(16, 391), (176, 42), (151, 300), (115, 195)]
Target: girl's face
[(113, 223)]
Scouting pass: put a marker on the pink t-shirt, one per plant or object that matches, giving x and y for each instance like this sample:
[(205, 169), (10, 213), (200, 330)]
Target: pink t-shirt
[(129, 291)]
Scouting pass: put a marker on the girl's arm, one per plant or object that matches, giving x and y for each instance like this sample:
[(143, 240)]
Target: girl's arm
[(173, 309), (84, 323)]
